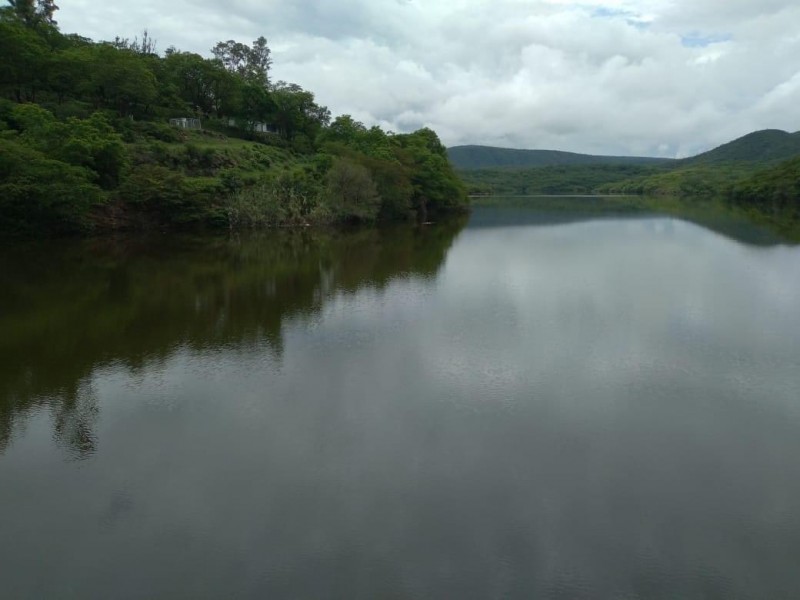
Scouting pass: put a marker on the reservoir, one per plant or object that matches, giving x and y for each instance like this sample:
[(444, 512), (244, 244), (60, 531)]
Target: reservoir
[(529, 402)]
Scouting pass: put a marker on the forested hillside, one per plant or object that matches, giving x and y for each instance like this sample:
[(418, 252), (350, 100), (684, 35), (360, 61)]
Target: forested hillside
[(776, 189), (487, 157), (750, 166), (768, 145), (716, 172), (565, 179), (85, 140)]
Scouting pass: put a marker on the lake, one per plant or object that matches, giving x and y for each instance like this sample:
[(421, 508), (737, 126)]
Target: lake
[(532, 402)]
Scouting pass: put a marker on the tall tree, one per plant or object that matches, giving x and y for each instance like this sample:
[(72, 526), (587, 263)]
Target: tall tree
[(251, 63), (34, 12)]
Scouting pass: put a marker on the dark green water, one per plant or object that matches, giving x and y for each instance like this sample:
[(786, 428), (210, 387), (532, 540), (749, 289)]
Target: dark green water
[(538, 405)]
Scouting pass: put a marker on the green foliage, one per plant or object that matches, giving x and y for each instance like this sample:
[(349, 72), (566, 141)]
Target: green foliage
[(436, 186), (713, 173), (120, 79), (94, 116), (346, 131), (700, 181), (42, 195), (776, 190), (762, 147), (297, 114), (34, 13), (410, 172), (23, 53), (564, 179), (90, 143), (292, 198), (486, 157), (163, 197), (251, 63), (350, 192), (154, 188)]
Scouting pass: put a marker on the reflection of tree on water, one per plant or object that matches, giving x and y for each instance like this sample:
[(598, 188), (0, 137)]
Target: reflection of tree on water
[(747, 227), (68, 308), (75, 417)]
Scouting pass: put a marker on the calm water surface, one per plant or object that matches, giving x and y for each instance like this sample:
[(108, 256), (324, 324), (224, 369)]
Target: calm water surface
[(534, 405)]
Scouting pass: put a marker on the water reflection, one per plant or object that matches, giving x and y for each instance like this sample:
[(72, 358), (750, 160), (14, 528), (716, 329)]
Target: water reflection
[(596, 408), (751, 228), (67, 308)]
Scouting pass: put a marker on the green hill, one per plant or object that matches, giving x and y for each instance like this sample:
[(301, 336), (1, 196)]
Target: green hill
[(488, 170), (768, 145), (737, 163), (776, 189), (562, 179), (112, 135), (487, 157)]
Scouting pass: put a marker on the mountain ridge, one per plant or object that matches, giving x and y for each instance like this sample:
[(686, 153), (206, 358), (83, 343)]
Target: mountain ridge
[(473, 156), (762, 146)]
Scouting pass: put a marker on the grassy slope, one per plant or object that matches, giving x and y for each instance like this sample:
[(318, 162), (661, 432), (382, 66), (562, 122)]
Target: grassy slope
[(212, 165)]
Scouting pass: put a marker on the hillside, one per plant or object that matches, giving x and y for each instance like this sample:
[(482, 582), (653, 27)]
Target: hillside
[(520, 172), (564, 179), (737, 164), (776, 189), (113, 135), (768, 145), (488, 157)]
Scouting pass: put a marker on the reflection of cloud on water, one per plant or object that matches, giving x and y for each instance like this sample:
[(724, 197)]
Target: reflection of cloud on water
[(592, 301), (371, 451)]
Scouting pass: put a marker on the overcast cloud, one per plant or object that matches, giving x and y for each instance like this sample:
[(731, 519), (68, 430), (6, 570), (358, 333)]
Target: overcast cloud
[(644, 77)]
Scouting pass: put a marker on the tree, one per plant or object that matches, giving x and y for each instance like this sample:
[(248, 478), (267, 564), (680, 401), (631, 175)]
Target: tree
[(147, 46), (39, 194), (347, 131), (436, 186), (351, 193), (297, 113), (251, 63), (34, 12), (122, 80), (89, 143), (22, 57), (256, 106), (204, 84)]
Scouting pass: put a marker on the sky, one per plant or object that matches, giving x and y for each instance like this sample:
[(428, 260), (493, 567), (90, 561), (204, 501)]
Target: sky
[(635, 77)]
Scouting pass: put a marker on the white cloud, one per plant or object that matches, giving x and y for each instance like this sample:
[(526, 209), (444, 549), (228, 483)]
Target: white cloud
[(662, 77)]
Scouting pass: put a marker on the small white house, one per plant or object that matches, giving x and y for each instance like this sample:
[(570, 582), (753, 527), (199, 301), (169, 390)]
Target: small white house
[(186, 123), (254, 126)]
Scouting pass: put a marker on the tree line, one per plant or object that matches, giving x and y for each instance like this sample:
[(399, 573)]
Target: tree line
[(84, 140)]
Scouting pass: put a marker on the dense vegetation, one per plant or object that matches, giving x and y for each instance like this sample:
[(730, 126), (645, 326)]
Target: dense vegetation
[(718, 172), (486, 157), (763, 146), (760, 170), (85, 141), (566, 179), (775, 190)]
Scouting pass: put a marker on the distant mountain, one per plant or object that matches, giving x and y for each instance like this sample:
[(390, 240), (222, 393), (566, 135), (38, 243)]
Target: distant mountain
[(768, 145), (488, 157)]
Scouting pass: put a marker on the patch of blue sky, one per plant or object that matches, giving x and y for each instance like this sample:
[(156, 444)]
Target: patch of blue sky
[(631, 18), (698, 40), (604, 12)]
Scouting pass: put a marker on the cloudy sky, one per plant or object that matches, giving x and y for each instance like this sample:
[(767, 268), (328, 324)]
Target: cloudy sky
[(643, 77)]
